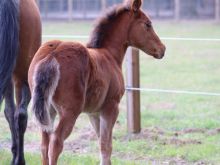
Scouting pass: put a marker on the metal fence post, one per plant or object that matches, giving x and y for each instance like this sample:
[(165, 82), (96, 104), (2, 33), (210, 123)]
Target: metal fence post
[(38, 3), (133, 97), (217, 10), (177, 10), (103, 4), (70, 9), (46, 9)]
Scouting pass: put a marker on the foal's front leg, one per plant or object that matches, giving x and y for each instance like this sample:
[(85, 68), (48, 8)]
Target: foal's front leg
[(95, 121), (108, 117)]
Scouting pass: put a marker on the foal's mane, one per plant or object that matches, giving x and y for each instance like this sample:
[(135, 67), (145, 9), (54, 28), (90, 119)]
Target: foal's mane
[(104, 25)]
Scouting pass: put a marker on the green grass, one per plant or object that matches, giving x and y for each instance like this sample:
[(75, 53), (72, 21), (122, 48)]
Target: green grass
[(188, 65)]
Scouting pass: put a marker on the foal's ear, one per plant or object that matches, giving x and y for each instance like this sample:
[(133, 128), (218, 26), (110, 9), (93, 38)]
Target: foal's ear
[(136, 4)]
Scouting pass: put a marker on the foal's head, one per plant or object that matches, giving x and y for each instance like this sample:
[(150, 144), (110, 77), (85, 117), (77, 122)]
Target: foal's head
[(131, 26), (141, 33)]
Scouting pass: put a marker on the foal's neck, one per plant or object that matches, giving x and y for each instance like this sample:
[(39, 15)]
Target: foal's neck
[(117, 42)]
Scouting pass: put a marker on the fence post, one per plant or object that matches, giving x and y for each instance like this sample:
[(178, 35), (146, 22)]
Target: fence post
[(61, 4), (84, 9), (103, 4), (217, 10), (133, 97), (46, 9), (38, 3), (177, 10), (70, 9)]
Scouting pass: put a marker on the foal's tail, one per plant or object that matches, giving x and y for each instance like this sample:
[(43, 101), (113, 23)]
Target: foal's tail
[(45, 80), (9, 41)]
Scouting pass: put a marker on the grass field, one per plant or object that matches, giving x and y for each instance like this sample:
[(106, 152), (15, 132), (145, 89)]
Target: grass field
[(176, 128)]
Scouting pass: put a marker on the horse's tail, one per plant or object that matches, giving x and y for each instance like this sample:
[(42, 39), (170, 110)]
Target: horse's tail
[(9, 41), (45, 81)]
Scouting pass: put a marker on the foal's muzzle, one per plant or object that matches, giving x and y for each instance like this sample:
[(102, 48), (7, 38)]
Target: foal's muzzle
[(160, 53)]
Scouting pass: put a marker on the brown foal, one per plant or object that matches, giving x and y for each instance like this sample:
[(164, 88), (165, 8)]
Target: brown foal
[(69, 78)]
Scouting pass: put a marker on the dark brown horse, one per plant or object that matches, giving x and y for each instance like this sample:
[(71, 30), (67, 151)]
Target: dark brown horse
[(20, 37), (69, 78)]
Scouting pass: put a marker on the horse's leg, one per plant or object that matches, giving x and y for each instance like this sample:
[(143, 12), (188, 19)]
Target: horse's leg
[(9, 114), (45, 140), (107, 120), (22, 98), (95, 121), (44, 147), (57, 138)]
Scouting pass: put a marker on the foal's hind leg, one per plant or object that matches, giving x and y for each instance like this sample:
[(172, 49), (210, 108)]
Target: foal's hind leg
[(44, 147), (46, 139), (9, 114), (63, 130), (108, 117), (22, 98)]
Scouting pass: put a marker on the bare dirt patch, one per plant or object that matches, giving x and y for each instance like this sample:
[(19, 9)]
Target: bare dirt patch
[(173, 138)]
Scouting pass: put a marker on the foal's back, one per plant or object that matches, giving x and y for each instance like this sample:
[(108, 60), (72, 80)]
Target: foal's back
[(89, 77), (72, 58)]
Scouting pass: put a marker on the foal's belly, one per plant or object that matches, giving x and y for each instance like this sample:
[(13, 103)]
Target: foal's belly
[(101, 92), (96, 96)]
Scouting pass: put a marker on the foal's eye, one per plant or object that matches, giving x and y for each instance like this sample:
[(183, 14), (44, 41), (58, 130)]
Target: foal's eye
[(148, 25)]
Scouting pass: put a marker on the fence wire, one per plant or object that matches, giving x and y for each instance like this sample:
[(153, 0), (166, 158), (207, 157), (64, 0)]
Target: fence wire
[(163, 38), (172, 91)]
